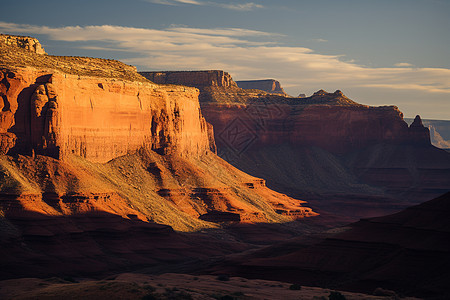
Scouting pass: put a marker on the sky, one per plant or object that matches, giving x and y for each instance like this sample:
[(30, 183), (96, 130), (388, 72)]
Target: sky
[(378, 52)]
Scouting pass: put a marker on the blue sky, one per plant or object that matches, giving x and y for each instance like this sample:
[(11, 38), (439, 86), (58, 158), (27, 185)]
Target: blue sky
[(380, 52)]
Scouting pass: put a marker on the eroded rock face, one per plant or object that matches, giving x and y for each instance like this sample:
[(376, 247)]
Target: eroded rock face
[(45, 121), (24, 42), (100, 119), (267, 85), (338, 129)]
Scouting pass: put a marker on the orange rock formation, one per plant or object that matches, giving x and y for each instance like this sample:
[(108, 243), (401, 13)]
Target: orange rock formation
[(327, 148), (100, 118), (153, 138)]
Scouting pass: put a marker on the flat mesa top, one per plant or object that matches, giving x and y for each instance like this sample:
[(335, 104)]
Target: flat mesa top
[(19, 52)]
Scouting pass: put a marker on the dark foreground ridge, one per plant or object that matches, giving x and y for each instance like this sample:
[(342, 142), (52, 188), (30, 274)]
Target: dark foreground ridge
[(407, 252)]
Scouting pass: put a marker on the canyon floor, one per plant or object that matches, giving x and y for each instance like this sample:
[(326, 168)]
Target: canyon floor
[(171, 286)]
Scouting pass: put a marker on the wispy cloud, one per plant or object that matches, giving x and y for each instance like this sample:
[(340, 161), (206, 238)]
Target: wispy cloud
[(246, 54), (403, 64), (242, 6), (175, 2), (222, 31), (247, 6)]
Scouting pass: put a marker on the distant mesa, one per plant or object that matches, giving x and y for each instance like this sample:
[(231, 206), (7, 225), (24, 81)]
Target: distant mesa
[(437, 139), (197, 79), (268, 85)]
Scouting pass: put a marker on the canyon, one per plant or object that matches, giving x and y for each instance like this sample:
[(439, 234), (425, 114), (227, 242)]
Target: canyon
[(112, 178), (342, 157), (91, 150)]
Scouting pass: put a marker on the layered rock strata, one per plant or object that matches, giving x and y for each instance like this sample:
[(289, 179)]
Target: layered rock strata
[(99, 118)]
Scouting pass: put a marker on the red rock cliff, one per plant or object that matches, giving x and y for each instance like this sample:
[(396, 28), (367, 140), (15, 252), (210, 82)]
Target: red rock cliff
[(98, 118), (327, 120), (338, 128)]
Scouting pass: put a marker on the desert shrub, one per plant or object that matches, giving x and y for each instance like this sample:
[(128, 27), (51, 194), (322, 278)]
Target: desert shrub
[(149, 288), (227, 297), (383, 292), (223, 277), (295, 287), (233, 296), (336, 296), (175, 294)]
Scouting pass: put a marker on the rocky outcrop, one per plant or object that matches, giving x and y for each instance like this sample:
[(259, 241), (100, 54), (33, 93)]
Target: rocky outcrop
[(419, 134), (268, 85), (12, 56), (24, 42)]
